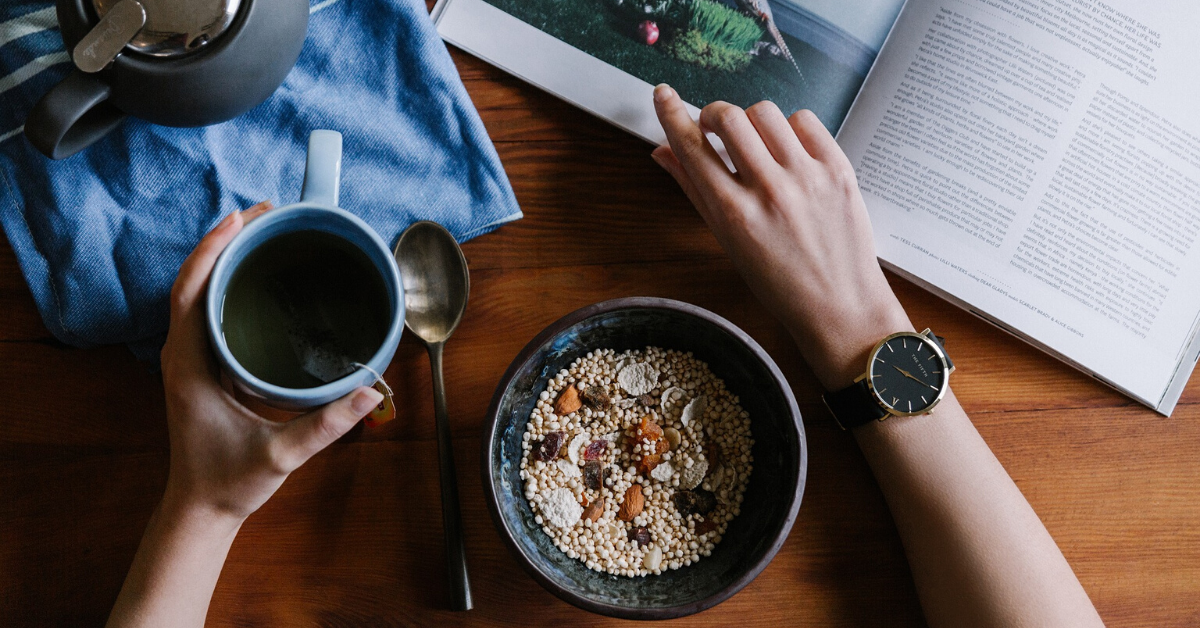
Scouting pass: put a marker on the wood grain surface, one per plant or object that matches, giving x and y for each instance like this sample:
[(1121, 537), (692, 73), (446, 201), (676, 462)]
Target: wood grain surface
[(354, 537)]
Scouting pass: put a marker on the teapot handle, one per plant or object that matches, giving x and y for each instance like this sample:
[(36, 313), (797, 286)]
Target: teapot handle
[(72, 116), (323, 169)]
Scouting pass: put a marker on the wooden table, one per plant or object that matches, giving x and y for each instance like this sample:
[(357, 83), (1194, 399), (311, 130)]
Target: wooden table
[(354, 537)]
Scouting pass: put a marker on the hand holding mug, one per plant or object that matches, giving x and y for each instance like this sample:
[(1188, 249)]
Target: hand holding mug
[(224, 457)]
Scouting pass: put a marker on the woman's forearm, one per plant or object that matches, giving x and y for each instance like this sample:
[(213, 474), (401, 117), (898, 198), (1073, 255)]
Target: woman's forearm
[(176, 567), (979, 554)]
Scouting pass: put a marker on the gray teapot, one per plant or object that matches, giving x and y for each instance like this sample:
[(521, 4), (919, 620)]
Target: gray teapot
[(181, 63)]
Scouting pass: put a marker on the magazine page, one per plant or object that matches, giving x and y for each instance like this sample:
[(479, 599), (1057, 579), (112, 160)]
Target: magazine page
[(1040, 161), (606, 55)]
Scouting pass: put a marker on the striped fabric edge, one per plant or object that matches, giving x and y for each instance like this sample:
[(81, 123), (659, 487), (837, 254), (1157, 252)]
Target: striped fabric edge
[(37, 21)]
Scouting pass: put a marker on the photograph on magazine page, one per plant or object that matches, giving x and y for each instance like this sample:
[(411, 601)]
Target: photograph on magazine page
[(800, 54)]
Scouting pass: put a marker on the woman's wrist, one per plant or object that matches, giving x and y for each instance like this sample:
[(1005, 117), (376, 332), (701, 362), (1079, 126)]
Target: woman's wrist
[(185, 510), (839, 348)]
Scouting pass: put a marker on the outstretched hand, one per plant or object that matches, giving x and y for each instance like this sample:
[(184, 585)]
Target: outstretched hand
[(224, 457), (793, 221)]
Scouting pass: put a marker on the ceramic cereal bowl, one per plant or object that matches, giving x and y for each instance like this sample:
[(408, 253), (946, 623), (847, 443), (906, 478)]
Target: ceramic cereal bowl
[(772, 497)]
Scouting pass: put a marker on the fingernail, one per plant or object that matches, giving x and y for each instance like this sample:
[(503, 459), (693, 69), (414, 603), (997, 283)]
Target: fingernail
[(365, 400), (658, 160), (225, 222), (663, 92)]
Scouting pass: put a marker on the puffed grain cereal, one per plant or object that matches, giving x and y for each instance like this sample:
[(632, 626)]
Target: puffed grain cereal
[(647, 468)]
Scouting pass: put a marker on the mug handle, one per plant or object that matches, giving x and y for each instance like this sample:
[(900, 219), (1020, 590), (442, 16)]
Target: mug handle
[(323, 168), (72, 116)]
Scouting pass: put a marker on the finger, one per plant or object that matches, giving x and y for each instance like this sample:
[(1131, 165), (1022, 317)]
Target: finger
[(746, 149), (186, 344), (256, 211), (665, 157), (777, 134), (304, 436), (193, 274), (702, 164), (815, 137)]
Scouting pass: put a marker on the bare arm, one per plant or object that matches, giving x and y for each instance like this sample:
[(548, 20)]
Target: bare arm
[(793, 222), (226, 461)]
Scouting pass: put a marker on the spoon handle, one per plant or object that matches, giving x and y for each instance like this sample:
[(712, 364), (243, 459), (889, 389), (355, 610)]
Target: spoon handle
[(456, 555)]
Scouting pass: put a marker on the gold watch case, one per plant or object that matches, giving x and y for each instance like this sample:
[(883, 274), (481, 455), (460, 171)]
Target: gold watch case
[(926, 336)]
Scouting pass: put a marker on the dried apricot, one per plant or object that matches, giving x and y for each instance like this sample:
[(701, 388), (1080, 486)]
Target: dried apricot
[(647, 429), (648, 462)]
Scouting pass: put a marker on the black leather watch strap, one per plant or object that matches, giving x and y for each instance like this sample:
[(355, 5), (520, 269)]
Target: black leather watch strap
[(941, 343), (854, 405)]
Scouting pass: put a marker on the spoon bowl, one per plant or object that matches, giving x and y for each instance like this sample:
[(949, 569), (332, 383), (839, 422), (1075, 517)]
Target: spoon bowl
[(436, 282)]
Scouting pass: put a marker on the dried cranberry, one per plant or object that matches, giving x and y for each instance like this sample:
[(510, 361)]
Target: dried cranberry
[(595, 449), (640, 535), (548, 449)]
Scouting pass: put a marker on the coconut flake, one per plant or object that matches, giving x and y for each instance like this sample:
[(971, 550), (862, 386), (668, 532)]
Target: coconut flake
[(693, 410), (576, 443), (560, 509), (663, 472), (570, 469), (611, 437), (638, 379), (671, 398), (691, 477), (717, 478)]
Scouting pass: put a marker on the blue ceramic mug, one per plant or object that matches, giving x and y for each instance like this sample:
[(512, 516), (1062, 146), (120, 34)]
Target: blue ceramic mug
[(317, 211)]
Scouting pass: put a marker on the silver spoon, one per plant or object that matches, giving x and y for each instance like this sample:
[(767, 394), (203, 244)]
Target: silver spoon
[(434, 271)]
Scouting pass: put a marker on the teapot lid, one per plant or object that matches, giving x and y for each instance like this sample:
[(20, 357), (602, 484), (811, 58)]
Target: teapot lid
[(176, 27)]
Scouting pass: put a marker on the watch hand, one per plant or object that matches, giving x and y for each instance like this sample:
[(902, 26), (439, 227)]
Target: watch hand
[(906, 373), (915, 379)]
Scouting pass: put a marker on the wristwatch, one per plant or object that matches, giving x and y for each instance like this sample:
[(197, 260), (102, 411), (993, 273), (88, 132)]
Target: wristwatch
[(907, 374)]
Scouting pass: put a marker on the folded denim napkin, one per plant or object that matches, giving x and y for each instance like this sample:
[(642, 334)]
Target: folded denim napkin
[(100, 235)]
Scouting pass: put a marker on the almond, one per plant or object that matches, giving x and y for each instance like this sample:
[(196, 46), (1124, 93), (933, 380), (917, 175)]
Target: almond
[(672, 436), (632, 506), (594, 510), (568, 401)]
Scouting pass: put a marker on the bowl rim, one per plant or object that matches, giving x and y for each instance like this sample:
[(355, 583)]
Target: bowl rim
[(491, 489)]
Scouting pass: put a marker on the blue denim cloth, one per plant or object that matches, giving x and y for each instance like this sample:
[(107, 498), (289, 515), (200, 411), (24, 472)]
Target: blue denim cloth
[(100, 235)]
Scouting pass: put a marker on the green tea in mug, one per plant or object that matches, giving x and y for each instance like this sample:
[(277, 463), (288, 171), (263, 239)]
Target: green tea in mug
[(303, 307)]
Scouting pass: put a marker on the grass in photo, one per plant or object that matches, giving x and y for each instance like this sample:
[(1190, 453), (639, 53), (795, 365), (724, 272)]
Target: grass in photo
[(706, 49)]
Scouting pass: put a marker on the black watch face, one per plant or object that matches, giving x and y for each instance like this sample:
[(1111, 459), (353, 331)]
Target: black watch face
[(908, 374)]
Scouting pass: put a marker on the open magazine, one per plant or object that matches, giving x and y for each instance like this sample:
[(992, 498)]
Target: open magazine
[(1034, 162)]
